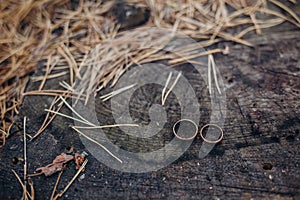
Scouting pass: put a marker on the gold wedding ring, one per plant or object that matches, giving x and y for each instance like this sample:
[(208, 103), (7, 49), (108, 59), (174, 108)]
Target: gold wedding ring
[(183, 138), (212, 141)]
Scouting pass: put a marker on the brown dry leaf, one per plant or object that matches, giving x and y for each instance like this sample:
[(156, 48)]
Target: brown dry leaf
[(56, 165)]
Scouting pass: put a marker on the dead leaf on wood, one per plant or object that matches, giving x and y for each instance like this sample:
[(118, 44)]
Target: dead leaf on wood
[(56, 165)]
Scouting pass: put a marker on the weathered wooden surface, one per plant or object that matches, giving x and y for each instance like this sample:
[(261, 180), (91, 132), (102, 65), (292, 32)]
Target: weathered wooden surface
[(258, 158)]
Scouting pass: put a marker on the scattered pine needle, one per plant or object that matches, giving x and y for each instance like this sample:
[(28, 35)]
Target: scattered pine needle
[(105, 126), (2, 138), (164, 90), (28, 195), (91, 24), (56, 184), (91, 126), (67, 116), (25, 159), (212, 67), (60, 194), (75, 112), (52, 76), (165, 95), (48, 119), (94, 141), (31, 188), (116, 92)]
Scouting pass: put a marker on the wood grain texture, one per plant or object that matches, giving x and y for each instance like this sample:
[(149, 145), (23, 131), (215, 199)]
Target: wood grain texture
[(259, 157)]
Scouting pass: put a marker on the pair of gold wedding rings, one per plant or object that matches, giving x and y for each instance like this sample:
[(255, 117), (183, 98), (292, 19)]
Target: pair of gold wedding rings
[(201, 131)]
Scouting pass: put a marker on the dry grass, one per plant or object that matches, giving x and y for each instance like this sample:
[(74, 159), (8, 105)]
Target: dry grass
[(62, 34), (48, 30)]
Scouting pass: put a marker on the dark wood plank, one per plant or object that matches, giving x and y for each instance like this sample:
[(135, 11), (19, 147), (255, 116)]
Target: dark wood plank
[(258, 158)]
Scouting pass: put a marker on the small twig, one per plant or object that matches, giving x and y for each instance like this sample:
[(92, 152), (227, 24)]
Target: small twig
[(72, 180), (25, 158), (94, 141)]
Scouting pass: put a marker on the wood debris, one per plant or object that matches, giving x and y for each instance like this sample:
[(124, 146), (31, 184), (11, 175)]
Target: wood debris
[(56, 166), (79, 159)]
